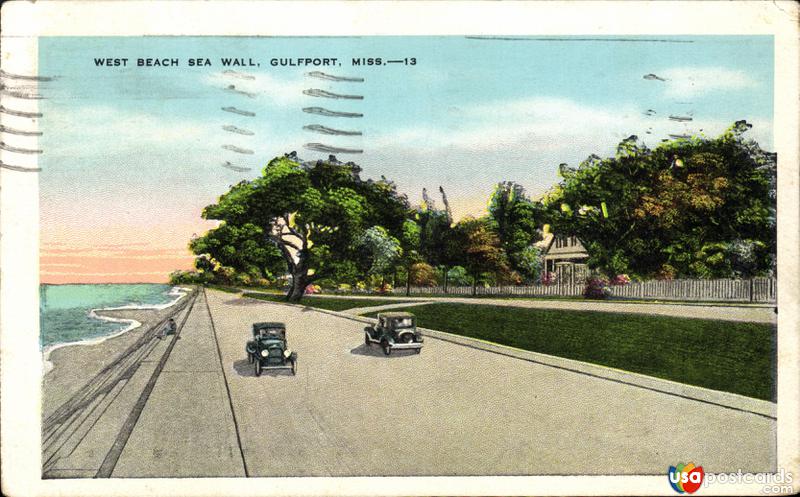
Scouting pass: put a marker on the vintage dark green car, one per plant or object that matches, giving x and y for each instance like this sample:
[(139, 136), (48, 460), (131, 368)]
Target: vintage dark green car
[(268, 348), (395, 330)]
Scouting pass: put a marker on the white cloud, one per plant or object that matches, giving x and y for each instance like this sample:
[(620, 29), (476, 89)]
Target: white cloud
[(521, 140), (544, 124), (694, 81)]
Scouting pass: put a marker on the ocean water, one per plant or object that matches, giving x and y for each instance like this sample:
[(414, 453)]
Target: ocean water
[(66, 311)]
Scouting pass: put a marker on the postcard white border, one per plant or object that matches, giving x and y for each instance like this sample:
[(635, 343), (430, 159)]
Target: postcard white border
[(22, 22)]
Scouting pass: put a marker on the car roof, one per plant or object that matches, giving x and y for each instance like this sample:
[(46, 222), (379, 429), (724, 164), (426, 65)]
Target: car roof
[(269, 324), (395, 315)]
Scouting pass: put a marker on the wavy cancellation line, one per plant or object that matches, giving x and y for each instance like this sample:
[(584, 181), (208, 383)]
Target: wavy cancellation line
[(238, 150), (237, 74), (233, 89), (316, 92), (8, 75), (238, 169), (321, 147), (19, 113), (18, 150), (330, 113), (318, 128), (21, 169), (14, 131), (234, 110), (331, 77), (237, 130)]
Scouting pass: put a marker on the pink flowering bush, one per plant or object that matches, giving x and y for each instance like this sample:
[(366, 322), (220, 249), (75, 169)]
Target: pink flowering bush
[(596, 288), (312, 289), (620, 280)]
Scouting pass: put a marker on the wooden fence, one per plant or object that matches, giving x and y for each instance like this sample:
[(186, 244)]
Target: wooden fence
[(720, 290)]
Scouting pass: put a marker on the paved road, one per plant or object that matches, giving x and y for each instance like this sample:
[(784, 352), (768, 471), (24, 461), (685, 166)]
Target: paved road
[(454, 410), (351, 411)]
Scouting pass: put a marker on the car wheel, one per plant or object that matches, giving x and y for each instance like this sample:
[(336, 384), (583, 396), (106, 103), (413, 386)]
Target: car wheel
[(366, 340), (294, 367), (249, 358), (387, 349), (419, 350), (258, 368)]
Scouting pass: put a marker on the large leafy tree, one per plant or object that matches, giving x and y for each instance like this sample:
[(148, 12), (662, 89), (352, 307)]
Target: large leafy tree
[(314, 213), (380, 251), (241, 248), (690, 207), (514, 217), (479, 250), (435, 230)]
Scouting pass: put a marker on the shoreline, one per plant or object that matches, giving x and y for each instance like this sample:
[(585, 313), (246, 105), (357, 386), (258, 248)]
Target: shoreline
[(73, 367), (176, 291)]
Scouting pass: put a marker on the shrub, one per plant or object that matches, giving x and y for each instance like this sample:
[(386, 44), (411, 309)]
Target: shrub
[(620, 280), (184, 278), (423, 274), (457, 276), (596, 288), (311, 289), (384, 288), (548, 278), (666, 272)]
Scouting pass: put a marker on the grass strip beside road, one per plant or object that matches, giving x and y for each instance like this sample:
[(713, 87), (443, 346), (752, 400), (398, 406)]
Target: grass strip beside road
[(720, 355), (328, 303)]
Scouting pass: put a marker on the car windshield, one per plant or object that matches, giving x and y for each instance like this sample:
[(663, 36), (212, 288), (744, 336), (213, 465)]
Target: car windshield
[(404, 322)]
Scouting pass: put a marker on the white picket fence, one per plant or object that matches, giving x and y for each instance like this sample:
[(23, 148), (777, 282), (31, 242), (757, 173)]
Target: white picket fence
[(718, 290)]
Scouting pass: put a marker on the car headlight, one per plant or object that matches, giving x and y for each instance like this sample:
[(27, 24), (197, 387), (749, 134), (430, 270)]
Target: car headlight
[(264, 353), (287, 353)]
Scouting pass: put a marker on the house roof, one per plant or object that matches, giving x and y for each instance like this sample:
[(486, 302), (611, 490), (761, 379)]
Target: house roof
[(550, 251)]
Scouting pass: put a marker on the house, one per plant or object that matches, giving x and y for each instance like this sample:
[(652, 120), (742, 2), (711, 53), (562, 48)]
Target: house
[(565, 257)]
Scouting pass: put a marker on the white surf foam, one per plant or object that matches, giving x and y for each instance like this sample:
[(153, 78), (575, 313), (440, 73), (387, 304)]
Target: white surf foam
[(176, 291)]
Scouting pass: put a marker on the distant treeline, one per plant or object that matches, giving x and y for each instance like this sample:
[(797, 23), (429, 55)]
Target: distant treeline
[(689, 208)]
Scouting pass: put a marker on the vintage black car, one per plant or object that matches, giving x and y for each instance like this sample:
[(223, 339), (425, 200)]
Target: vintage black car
[(268, 348), (395, 330)]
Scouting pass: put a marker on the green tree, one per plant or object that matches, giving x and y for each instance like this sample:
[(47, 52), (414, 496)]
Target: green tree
[(435, 230), (688, 208), (243, 249), (514, 217), (381, 250), (481, 253), (314, 213), (458, 276)]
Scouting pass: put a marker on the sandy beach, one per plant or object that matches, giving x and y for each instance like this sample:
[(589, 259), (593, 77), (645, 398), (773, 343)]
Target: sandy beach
[(75, 365)]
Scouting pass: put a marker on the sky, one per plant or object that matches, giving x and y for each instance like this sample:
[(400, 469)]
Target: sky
[(133, 154)]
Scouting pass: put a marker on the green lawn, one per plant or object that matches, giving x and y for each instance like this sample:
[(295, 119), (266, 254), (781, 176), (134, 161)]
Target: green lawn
[(721, 355), (329, 303)]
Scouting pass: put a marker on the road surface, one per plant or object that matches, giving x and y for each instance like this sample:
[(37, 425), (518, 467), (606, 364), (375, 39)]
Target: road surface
[(451, 410)]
